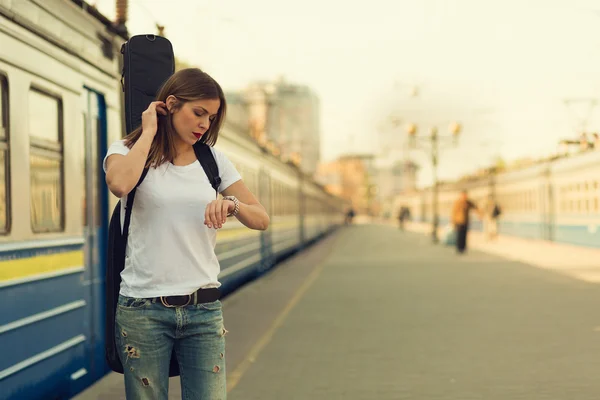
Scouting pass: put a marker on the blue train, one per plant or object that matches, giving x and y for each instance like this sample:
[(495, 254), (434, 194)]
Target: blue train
[(556, 199), (60, 108)]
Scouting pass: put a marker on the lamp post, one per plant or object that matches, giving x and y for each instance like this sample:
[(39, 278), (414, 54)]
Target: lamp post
[(432, 143)]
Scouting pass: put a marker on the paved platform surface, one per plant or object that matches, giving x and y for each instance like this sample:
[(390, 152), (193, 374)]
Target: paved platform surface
[(578, 262), (375, 313)]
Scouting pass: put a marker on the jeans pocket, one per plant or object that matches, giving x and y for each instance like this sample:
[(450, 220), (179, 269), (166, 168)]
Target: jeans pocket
[(211, 306), (132, 303)]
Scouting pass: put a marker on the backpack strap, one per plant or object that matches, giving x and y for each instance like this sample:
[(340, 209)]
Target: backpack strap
[(207, 160), (129, 204)]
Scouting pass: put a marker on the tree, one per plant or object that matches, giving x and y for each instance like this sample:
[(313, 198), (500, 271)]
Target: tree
[(499, 164)]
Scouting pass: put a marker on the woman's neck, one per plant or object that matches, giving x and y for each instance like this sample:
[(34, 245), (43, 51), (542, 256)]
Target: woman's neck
[(184, 153)]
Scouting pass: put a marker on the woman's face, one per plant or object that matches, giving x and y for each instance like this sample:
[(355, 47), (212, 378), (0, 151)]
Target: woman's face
[(193, 119)]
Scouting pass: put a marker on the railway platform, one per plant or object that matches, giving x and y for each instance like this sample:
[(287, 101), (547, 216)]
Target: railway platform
[(372, 313)]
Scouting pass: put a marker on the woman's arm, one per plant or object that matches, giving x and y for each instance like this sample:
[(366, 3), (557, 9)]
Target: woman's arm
[(251, 213), (124, 171)]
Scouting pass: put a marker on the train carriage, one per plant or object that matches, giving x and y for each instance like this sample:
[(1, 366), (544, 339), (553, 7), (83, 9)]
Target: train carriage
[(59, 86), (60, 108), (284, 186), (239, 249), (556, 199), (520, 195), (573, 199)]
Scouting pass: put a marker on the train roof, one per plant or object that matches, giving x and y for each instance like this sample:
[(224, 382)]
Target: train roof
[(516, 171), (110, 25)]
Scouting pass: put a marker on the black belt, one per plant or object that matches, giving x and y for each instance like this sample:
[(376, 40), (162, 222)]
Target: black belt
[(198, 297)]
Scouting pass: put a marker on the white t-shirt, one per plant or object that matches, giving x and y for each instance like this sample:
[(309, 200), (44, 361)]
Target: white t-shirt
[(169, 249)]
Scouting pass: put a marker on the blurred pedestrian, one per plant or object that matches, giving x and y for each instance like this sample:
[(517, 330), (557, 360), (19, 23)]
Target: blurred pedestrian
[(460, 220)]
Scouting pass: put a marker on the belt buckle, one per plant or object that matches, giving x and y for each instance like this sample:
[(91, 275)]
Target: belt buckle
[(166, 304)]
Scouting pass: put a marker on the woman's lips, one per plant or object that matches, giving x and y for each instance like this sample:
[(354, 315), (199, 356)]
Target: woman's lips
[(198, 135)]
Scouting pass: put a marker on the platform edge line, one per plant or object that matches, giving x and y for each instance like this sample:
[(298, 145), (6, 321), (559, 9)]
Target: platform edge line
[(234, 378)]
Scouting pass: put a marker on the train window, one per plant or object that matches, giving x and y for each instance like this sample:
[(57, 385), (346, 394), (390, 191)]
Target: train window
[(281, 208), (281, 199), (43, 117), (45, 131), (286, 197), (3, 107), (4, 204), (276, 199)]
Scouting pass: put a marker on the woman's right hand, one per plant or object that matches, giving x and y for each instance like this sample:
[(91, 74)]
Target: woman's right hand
[(150, 117)]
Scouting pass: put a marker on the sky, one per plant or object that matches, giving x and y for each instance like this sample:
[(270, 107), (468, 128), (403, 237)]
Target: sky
[(503, 69)]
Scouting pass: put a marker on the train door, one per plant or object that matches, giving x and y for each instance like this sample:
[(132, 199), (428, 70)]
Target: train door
[(551, 211), (95, 225), (266, 242), (546, 197), (301, 209), (543, 211)]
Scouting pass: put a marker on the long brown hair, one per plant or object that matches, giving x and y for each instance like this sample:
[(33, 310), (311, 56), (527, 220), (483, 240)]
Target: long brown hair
[(186, 85)]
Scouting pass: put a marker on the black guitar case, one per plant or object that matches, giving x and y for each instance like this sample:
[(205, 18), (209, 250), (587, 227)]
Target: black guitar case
[(148, 61)]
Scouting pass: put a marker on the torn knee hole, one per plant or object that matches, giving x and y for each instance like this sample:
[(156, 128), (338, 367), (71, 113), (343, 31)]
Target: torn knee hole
[(131, 351), (224, 332), (123, 333), (145, 382), (216, 369)]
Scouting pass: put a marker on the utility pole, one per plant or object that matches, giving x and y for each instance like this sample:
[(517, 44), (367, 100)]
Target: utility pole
[(581, 120), (431, 142), (434, 163)]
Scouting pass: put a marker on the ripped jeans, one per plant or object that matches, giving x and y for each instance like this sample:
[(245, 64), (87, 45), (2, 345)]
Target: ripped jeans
[(147, 332)]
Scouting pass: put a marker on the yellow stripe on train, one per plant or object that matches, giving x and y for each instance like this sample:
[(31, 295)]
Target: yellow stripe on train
[(43, 264), (243, 232)]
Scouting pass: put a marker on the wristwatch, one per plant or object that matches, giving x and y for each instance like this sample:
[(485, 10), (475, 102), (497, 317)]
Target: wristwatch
[(236, 210)]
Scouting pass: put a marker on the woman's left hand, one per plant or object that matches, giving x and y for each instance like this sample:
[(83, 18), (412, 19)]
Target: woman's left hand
[(216, 212)]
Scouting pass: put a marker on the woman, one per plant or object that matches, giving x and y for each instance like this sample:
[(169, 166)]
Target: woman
[(168, 300)]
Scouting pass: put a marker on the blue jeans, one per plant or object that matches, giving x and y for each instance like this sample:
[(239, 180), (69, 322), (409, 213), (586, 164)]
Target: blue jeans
[(147, 332)]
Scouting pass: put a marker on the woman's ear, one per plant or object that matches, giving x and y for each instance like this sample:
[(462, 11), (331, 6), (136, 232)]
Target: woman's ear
[(171, 103)]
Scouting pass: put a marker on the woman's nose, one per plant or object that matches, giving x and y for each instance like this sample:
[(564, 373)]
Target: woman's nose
[(204, 123)]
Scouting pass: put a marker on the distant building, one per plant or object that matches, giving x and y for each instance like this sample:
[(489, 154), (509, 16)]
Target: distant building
[(287, 116), (393, 180), (396, 178), (370, 188), (351, 177), (238, 117)]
